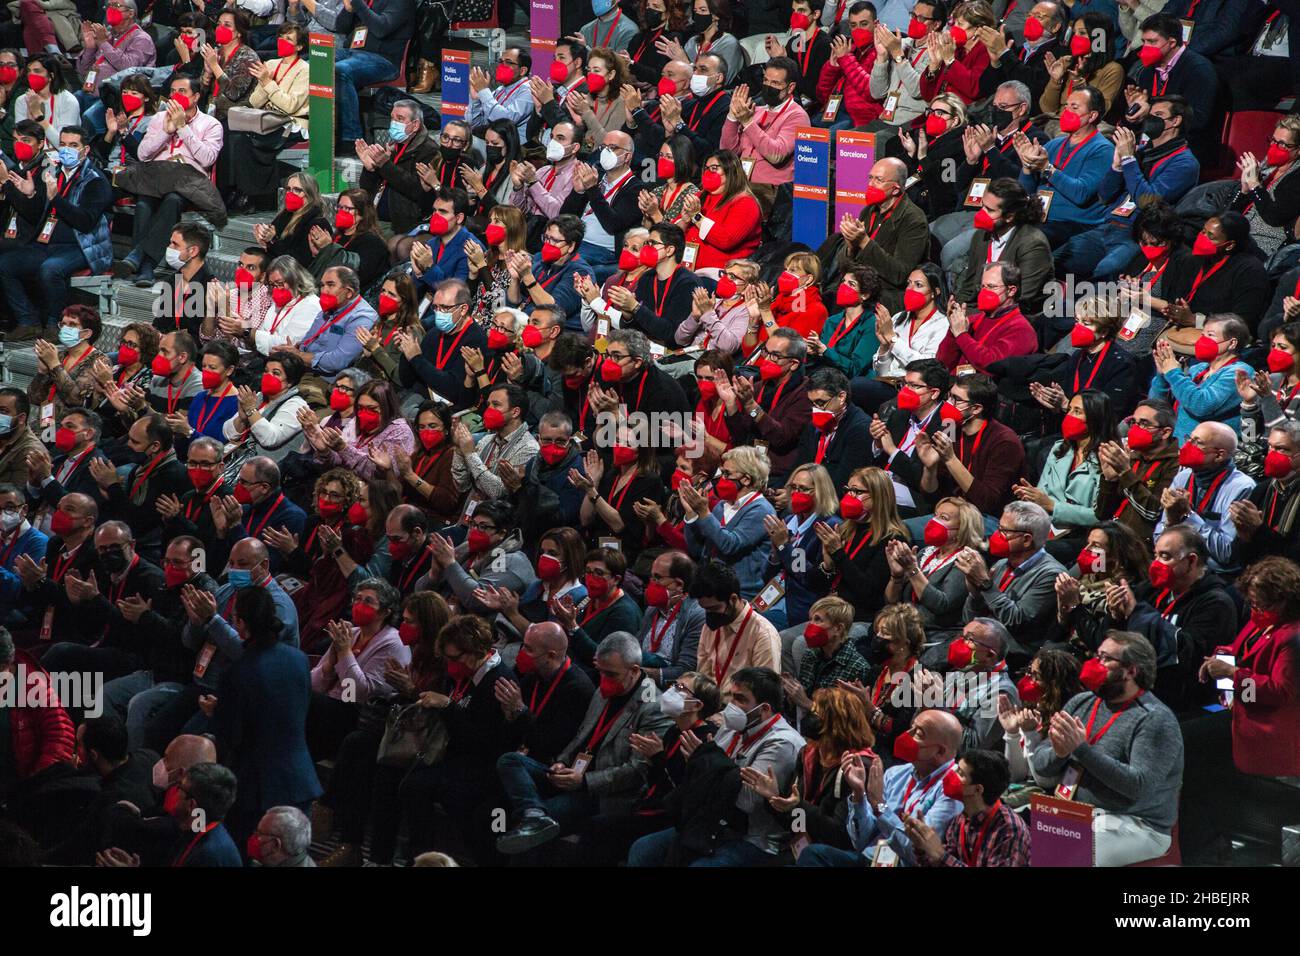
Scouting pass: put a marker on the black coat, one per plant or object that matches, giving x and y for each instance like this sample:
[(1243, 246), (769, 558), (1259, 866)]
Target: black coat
[(547, 734), (703, 808)]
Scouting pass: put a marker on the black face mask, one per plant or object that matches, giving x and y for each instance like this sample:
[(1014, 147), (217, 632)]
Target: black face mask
[(878, 652), (1000, 118), (811, 728), (494, 155), (771, 96), (700, 22), (652, 19), (449, 154), (114, 562), (717, 619), (1153, 127)]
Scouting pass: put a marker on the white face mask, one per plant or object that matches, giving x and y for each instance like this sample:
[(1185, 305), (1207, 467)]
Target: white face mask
[(608, 159), (673, 703), (554, 152), (10, 519), (161, 777), (699, 84), (733, 718), (174, 259)]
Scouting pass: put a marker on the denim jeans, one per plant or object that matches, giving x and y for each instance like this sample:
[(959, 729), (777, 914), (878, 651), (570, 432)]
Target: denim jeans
[(1098, 254), (820, 854), (92, 112), (354, 69), (51, 265), (603, 262), (653, 850), (524, 781), (136, 699)]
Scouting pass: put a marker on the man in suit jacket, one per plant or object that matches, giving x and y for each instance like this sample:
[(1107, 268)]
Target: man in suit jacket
[(918, 411), (775, 409), (1025, 59), (599, 771), (839, 437), (546, 708), (670, 631), (1007, 231), (1168, 67), (77, 437), (987, 457), (207, 792), (134, 498)]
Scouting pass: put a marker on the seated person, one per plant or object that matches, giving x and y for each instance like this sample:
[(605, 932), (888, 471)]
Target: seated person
[(548, 279), (673, 621), (930, 577), (998, 836), (724, 219), (1007, 229), (1223, 274), (839, 437), (998, 330), (664, 292), (491, 556), (1265, 518), (1169, 68), (132, 496), (920, 403), (392, 173), (1206, 391), (978, 657), (1051, 679), (492, 468), (807, 499), (773, 406), (610, 496), (1134, 475), (606, 609), (916, 331), (733, 529), (845, 341)]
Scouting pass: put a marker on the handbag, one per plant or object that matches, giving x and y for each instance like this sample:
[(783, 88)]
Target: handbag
[(246, 119), (413, 735)]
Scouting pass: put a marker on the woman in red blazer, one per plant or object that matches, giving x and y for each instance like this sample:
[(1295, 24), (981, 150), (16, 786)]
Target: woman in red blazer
[(1266, 672), (724, 219)]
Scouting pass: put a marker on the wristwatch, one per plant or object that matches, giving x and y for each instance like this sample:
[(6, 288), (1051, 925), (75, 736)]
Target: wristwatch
[(753, 412)]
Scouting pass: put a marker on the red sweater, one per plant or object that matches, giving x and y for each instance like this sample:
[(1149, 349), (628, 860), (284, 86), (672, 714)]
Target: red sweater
[(41, 736), (989, 340), (961, 76), (736, 233), (1266, 705), (852, 76)]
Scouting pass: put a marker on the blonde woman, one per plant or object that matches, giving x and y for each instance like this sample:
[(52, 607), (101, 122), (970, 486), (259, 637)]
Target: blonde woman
[(936, 150), (733, 531), (489, 280), (929, 577), (303, 211), (810, 498), (720, 320), (853, 563)]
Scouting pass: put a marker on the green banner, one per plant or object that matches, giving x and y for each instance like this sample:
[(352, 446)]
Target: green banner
[(320, 104)]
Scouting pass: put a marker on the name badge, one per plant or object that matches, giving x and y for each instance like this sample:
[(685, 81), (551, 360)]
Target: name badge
[(47, 624), (832, 107), (379, 194), (690, 254), (884, 855), (911, 181), (359, 38), (965, 369), (976, 192), (747, 165), (12, 231), (1045, 197), (657, 350), (1188, 27), (614, 544), (771, 594), (204, 659), (1137, 321), (146, 20), (47, 414), (1069, 782), (89, 85), (47, 231), (891, 107), (581, 762), (1126, 208)]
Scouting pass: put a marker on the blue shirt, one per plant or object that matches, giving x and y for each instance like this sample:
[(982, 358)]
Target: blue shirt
[(335, 348), (1074, 186), (925, 799), (229, 646), (449, 260)]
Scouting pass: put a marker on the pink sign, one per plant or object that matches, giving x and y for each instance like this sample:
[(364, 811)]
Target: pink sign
[(1060, 832), (855, 154), (544, 23)]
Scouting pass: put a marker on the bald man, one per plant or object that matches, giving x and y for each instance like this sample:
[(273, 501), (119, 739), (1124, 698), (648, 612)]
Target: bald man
[(889, 234), (915, 786), (1203, 489), (69, 551), (605, 198), (546, 707)]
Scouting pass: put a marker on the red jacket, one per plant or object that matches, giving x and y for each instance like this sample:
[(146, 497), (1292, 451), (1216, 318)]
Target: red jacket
[(736, 233), (41, 735), (961, 76), (852, 76), (989, 340), (1266, 705)]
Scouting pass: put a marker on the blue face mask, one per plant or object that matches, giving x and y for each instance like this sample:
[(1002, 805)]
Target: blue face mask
[(68, 156), (601, 7), (445, 321), (239, 578), (6, 424), (397, 132), (68, 336)]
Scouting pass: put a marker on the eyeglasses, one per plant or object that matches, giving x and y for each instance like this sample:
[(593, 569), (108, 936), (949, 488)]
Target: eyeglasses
[(1107, 658), (201, 464), (617, 356), (1280, 144), (1007, 531), (333, 495), (452, 140), (483, 526)]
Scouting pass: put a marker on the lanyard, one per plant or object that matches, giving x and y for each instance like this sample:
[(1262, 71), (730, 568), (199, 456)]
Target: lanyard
[(258, 530), (627, 486), (938, 778), (645, 41), (665, 206), (1113, 717), (657, 637), (535, 708), (1209, 492), (775, 398), (720, 672), (602, 727), (860, 545), (1160, 162), (191, 511), (126, 135), (640, 389), (148, 470), (970, 857), (117, 44), (1258, 641), (1066, 142), (203, 420), (329, 325), (1154, 272), (1202, 276), (1155, 79), (746, 742), (1101, 357), (975, 446), (654, 291), (311, 538), (216, 84), (62, 563), (883, 681), (875, 227), (116, 590), (410, 575), (844, 328), (69, 369), (442, 360), (291, 63), (180, 860), (698, 114), (1145, 478), (610, 35), (281, 313), (919, 321), (9, 548), (63, 190)]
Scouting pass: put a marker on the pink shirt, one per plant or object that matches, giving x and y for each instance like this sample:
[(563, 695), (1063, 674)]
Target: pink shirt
[(768, 139), (198, 142)]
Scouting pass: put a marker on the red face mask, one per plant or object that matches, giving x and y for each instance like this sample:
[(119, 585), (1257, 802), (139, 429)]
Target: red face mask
[(801, 502), (1191, 456), (293, 202), (281, 297), (1073, 428), (948, 412), (328, 301), (431, 438), (1139, 438), (1277, 155), (816, 635), (609, 687), (494, 419), (960, 654), (9, 75), (656, 595), (242, 494), (822, 418), (161, 365), (1070, 121), (438, 224), (988, 300), (37, 81), (525, 663), (711, 181), (726, 287), (358, 514), (200, 478), (553, 454), (172, 800), (597, 586), (799, 21), (648, 256), (1033, 29), (846, 295), (1204, 246), (913, 301), (787, 282), (769, 370), (999, 546), (363, 615), (1150, 55), (173, 577), (1031, 692), (953, 788), (478, 541), (498, 340), (851, 507), (559, 71), (628, 260), (551, 252), (874, 196), (1093, 674), (708, 390), (244, 279), (1280, 361), (1087, 560), (65, 439), (1081, 336), (862, 37), (595, 82), (459, 671), (284, 48), (984, 221), (1160, 575), (611, 371), (409, 632), (727, 489), (211, 379), (399, 550), (1262, 619), (495, 234), (677, 477), (1152, 253), (224, 35), (936, 533), (339, 401), (388, 305), (531, 336), (61, 523), (344, 219), (935, 125), (908, 399), (575, 382), (959, 35), (327, 508), (505, 73), (549, 567), (906, 748), (915, 28), (23, 152), (624, 455), (666, 87), (271, 386), (368, 420), (1277, 465)]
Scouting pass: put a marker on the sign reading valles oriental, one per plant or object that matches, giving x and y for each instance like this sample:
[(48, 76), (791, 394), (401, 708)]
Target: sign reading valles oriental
[(544, 28), (812, 180), (855, 153), (1060, 832), (455, 82), (320, 109)]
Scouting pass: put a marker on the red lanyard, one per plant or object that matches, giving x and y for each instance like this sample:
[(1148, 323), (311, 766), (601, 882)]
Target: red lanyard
[(640, 390), (69, 370), (442, 360), (970, 857), (203, 420), (281, 313), (216, 84), (697, 115), (618, 185), (627, 486), (1166, 609), (559, 270), (191, 511), (1145, 478), (1209, 493), (411, 572), (1092, 741), (1203, 276), (1161, 162), (807, 55), (720, 672), (1066, 142), (919, 321), (844, 328), (291, 63), (130, 129), (775, 398), (645, 41), (1258, 641), (63, 190), (311, 538), (656, 638), (602, 727), (9, 549), (875, 227), (860, 545), (665, 206), (423, 467), (258, 530), (61, 564), (746, 742), (115, 591), (975, 447), (1101, 357), (654, 293), (883, 681), (938, 778), (329, 325), (600, 608), (185, 855), (148, 470), (610, 35), (117, 44), (1008, 576), (1272, 507), (1156, 273), (533, 706), (1155, 79), (461, 689)]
